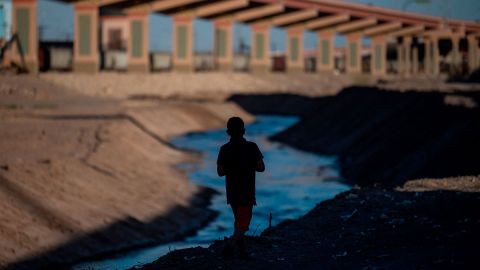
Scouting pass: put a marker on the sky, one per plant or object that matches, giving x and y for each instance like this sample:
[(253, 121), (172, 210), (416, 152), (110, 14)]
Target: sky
[(56, 23)]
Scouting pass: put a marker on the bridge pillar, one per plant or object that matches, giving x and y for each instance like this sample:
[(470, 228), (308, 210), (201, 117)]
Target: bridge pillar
[(473, 53), (415, 65), (260, 59), (427, 60), (407, 45), (326, 51), (85, 44), (295, 56), (400, 58), (456, 60), (435, 56), (183, 43), (353, 58), (223, 45), (137, 48), (25, 25), (379, 56)]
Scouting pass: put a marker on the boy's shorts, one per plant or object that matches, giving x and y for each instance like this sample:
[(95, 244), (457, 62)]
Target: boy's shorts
[(243, 216)]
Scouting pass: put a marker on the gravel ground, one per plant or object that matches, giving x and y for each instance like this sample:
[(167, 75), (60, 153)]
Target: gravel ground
[(364, 228)]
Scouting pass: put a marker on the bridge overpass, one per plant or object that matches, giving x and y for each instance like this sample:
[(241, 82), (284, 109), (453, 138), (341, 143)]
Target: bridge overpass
[(417, 37)]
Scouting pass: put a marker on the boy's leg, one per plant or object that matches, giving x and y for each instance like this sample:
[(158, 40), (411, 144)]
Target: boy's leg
[(243, 217)]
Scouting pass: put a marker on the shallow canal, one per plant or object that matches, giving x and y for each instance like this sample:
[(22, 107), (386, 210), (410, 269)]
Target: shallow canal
[(293, 183)]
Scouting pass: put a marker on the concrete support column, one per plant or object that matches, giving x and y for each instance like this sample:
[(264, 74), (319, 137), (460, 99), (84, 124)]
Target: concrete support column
[(25, 26), (260, 59), (407, 45), (137, 47), (379, 56), (295, 57), (456, 60), (353, 58), (435, 56), (415, 66), (473, 53), (427, 60), (400, 58), (182, 43), (326, 51), (85, 44), (223, 45)]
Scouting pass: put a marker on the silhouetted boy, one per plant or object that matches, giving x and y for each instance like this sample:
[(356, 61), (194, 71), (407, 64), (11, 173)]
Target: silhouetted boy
[(238, 160)]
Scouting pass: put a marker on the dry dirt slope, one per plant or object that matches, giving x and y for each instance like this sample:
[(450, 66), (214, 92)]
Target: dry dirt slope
[(83, 180)]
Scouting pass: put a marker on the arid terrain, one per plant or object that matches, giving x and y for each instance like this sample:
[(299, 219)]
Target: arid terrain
[(86, 168), (81, 176)]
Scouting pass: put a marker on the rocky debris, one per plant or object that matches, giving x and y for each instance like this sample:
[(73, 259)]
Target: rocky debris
[(364, 228)]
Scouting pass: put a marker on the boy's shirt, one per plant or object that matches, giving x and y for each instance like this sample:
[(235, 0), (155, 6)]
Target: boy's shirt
[(239, 158)]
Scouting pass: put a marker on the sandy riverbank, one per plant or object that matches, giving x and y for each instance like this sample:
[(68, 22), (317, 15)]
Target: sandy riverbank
[(82, 176)]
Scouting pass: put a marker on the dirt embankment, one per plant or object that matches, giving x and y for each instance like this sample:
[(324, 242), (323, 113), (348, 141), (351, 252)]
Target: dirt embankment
[(421, 226), (83, 176), (384, 136), (199, 86)]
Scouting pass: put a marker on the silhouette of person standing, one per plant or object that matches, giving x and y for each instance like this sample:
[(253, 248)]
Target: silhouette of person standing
[(238, 160)]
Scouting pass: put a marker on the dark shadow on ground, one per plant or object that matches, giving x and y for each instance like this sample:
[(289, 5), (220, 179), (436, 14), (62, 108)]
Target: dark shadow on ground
[(368, 228), (381, 136), (121, 236)]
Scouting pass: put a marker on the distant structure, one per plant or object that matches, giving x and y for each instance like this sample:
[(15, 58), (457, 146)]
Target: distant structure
[(418, 43)]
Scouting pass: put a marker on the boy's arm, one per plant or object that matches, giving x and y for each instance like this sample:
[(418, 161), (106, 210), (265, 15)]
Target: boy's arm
[(220, 162), (220, 170), (260, 166)]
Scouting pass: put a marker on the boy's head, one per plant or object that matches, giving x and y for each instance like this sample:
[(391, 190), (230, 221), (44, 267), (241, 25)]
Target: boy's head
[(235, 127)]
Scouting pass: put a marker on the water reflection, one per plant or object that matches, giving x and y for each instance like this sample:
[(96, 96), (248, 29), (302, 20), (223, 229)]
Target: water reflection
[(291, 185)]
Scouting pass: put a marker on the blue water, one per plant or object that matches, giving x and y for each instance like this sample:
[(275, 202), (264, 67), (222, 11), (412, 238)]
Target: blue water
[(293, 183)]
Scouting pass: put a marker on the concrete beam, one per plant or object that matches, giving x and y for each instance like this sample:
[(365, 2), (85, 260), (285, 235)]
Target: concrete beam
[(412, 30), (220, 7), (438, 33), (256, 13), (327, 21), (158, 6), (382, 29), (98, 3), (293, 17), (355, 25)]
